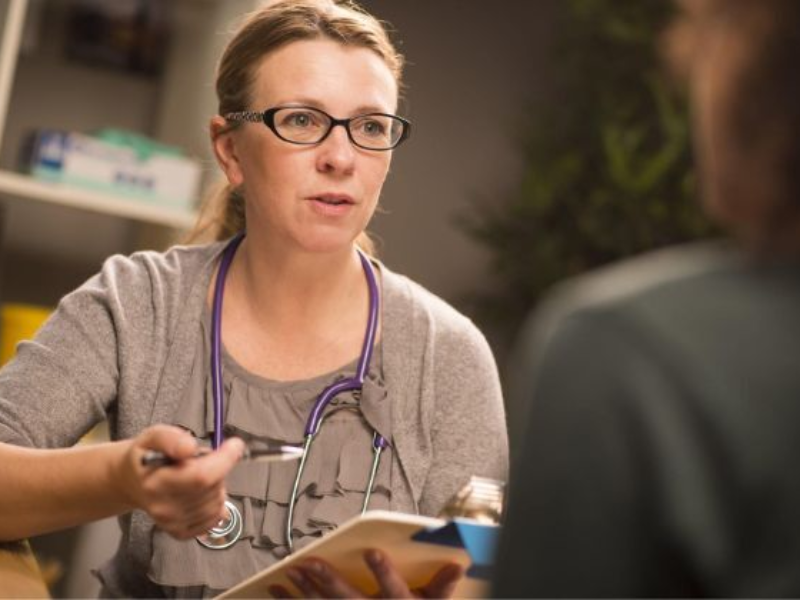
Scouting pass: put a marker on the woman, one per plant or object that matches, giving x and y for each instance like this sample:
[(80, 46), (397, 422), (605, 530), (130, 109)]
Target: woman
[(306, 127), (661, 447)]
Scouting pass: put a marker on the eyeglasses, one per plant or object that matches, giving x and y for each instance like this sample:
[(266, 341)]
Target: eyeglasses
[(307, 126)]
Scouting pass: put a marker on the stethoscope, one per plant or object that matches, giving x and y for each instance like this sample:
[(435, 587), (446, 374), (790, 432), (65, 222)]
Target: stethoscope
[(229, 529)]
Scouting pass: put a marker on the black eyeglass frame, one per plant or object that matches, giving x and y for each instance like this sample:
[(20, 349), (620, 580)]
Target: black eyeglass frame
[(267, 117)]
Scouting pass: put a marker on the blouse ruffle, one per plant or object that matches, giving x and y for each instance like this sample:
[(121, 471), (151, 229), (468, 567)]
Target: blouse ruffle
[(266, 412)]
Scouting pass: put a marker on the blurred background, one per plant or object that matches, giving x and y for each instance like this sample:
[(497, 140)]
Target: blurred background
[(547, 140)]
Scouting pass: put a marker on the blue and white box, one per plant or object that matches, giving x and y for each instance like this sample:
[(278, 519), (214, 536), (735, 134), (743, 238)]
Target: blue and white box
[(85, 161)]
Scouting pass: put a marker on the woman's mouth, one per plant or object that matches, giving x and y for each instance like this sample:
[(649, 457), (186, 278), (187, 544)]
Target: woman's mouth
[(333, 199), (332, 204)]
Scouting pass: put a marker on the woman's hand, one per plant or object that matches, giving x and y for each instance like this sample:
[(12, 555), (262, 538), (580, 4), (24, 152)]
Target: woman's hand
[(184, 499), (316, 578)]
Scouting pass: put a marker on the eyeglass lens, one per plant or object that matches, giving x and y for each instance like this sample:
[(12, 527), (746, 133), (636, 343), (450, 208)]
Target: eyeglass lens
[(309, 126)]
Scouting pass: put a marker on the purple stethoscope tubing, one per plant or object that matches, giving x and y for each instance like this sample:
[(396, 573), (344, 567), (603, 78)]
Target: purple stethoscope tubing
[(216, 337), (315, 417), (351, 383)]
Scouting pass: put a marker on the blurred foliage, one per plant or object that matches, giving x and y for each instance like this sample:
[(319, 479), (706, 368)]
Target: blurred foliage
[(608, 160)]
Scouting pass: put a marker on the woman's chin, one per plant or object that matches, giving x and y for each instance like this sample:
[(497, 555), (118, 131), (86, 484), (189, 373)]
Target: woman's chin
[(327, 244)]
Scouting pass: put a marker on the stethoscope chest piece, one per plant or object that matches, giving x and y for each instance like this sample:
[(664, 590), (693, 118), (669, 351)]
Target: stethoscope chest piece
[(226, 532)]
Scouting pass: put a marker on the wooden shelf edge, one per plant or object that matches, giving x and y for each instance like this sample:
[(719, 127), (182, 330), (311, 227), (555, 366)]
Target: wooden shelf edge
[(17, 187)]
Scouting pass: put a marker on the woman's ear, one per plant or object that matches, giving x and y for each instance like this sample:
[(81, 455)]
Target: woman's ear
[(224, 144)]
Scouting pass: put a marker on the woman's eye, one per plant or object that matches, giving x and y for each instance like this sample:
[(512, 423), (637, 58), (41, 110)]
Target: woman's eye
[(300, 119), (373, 128)]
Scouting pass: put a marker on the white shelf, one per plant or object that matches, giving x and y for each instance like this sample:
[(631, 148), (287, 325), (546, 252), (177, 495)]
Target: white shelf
[(22, 188)]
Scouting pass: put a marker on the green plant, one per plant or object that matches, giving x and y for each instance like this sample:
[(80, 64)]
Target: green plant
[(608, 155)]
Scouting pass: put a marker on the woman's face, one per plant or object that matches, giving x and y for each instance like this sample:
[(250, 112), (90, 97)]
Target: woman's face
[(315, 198)]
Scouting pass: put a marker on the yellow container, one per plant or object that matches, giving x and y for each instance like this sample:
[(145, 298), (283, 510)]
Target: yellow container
[(19, 322)]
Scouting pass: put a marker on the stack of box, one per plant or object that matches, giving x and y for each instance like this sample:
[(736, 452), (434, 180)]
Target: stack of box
[(116, 163)]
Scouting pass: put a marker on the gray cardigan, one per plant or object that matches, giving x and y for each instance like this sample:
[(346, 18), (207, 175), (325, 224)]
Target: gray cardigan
[(119, 347)]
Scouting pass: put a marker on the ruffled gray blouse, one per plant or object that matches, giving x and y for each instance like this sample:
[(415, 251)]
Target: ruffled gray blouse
[(261, 412)]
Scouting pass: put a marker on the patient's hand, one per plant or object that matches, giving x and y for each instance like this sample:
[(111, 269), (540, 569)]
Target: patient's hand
[(316, 578)]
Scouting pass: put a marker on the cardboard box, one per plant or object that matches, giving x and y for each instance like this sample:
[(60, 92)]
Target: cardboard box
[(85, 161)]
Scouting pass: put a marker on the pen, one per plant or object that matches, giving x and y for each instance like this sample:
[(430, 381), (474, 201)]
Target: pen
[(154, 458)]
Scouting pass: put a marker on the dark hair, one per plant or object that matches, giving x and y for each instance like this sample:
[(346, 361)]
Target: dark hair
[(764, 104), (265, 31)]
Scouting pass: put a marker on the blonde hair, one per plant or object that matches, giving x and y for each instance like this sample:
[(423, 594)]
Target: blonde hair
[(262, 32)]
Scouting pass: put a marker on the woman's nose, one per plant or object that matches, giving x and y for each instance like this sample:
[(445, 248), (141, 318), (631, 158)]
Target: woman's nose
[(336, 152)]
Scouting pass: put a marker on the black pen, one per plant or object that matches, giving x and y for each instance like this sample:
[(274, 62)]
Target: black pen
[(154, 458)]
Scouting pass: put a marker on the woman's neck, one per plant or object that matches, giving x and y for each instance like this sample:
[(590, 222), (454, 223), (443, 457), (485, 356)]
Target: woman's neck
[(287, 288), (294, 315)]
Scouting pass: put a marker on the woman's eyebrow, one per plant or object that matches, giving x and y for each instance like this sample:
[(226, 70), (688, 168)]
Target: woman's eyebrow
[(359, 110), (300, 102)]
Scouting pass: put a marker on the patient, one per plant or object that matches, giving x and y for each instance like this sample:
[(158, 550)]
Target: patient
[(664, 393)]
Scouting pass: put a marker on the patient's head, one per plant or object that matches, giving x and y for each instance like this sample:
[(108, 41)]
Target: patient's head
[(740, 58)]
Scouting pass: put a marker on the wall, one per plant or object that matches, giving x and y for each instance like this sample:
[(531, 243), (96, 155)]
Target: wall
[(473, 65)]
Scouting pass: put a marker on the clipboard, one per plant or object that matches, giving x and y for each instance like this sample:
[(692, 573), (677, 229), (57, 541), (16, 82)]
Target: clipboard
[(418, 546)]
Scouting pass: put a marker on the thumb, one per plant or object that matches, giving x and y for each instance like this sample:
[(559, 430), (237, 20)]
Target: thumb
[(232, 451), (218, 464)]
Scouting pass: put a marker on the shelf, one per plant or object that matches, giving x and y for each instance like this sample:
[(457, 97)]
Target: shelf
[(16, 187)]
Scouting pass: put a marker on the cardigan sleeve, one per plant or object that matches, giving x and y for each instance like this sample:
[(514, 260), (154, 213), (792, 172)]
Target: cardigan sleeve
[(65, 380), (468, 431)]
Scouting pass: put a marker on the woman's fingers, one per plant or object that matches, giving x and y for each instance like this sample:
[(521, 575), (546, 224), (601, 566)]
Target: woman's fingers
[(391, 584), (326, 581), (184, 513), (443, 583), (196, 475), (215, 466), (279, 591), (204, 521), (302, 582), (314, 577), (173, 441)]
